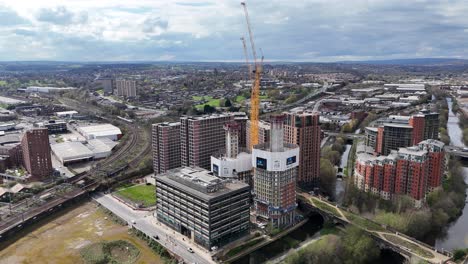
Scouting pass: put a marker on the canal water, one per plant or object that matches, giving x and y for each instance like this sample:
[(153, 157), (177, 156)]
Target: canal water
[(340, 185), (275, 249), (457, 233)]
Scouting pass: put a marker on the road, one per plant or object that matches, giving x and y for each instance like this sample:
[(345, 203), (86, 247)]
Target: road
[(146, 222)]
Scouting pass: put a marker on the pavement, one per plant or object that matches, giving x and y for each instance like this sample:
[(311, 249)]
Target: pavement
[(148, 224)]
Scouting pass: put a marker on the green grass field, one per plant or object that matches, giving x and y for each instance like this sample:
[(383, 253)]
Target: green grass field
[(3, 83), (240, 99), (211, 102), (145, 194)]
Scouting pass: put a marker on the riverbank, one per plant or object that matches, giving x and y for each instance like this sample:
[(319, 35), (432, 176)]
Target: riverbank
[(60, 240), (456, 235)]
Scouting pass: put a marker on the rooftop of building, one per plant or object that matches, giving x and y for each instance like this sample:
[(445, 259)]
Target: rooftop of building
[(366, 90), (51, 122), (267, 146), (373, 129), (204, 117), (200, 182), (300, 111), (71, 150), (437, 143), (397, 125), (414, 151), (66, 113), (99, 129), (101, 145), (167, 124)]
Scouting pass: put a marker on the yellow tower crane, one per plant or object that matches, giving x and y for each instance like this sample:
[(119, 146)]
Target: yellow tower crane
[(255, 94), (246, 54)]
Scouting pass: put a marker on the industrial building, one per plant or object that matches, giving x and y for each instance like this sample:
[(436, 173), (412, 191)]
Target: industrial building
[(233, 162), (40, 89), (208, 210), (275, 177), (66, 114), (54, 126), (165, 146), (413, 171), (7, 126), (100, 131), (71, 152), (303, 129), (75, 152)]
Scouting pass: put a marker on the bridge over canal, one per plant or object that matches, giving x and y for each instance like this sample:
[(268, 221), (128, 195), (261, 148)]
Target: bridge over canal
[(405, 245)]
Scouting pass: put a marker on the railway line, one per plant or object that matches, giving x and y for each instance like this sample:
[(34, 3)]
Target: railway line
[(90, 181)]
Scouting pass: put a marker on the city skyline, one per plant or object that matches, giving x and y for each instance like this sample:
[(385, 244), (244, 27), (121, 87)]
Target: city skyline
[(318, 30)]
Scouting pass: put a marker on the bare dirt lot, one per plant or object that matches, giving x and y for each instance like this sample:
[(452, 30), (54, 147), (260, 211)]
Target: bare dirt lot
[(60, 240)]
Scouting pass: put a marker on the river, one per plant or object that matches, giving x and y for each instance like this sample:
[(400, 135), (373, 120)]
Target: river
[(457, 234)]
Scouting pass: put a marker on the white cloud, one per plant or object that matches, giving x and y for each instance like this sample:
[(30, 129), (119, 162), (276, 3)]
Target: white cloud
[(210, 29)]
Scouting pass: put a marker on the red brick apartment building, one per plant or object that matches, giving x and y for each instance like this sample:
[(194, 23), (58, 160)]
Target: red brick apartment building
[(36, 153), (303, 129), (413, 171)]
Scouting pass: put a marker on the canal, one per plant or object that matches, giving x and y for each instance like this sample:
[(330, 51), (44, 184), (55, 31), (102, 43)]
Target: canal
[(340, 185), (275, 249), (456, 235)]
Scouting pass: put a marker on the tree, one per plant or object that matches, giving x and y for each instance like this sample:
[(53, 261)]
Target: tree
[(228, 103), (327, 176), (325, 250), (358, 247), (419, 224), (208, 109)]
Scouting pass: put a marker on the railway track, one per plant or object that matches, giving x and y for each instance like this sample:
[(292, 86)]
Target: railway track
[(91, 177)]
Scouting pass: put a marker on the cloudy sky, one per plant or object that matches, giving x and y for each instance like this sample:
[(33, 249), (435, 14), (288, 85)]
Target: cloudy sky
[(209, 30)]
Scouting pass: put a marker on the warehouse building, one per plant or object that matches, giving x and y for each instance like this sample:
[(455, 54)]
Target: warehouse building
[(74, 151), (100, 131), (209, 211), (71, 152)]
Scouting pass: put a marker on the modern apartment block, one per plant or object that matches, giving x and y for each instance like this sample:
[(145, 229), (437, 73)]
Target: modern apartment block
[(303, 129), (395, 136), (107, 84), (275, 177), (208, 210), (413, 171), (166, 146), (396, 132), (36, 153), (263, 132), (241, 118), (126, 88), (234, 162), (201, 137)]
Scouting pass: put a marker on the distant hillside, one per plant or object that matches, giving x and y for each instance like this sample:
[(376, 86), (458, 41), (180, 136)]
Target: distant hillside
[(419, 62)]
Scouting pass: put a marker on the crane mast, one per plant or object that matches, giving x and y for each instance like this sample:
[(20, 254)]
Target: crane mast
[(255, 94)]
